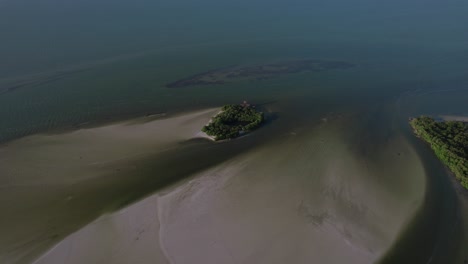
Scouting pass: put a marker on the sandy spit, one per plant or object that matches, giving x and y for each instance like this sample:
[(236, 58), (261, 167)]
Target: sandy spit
[(454, 118), (304, 199), (53, 184)]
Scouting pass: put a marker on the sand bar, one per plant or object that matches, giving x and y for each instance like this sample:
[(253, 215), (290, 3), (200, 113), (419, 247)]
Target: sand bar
[(53, 184), (307, 198)]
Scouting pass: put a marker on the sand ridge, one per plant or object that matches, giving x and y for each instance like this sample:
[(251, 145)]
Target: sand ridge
[(316, 202), (66, 180)]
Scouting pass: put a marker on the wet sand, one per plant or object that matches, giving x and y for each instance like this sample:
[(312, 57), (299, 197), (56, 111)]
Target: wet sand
[(53, 184), (128, 236), (454, 118), (307, 197)]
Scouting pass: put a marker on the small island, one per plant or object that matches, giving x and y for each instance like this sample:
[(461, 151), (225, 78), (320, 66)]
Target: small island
[(233, 121), (449, 140)]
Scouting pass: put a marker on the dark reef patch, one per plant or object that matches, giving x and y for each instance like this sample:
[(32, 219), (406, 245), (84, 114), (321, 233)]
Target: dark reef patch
[(258, 72)]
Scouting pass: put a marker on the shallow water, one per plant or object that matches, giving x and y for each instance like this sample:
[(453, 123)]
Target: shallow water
[(302, 194), (77, 64)]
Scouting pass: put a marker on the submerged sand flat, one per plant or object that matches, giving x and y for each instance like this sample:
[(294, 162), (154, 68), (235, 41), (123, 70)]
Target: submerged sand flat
[(53, 184), (454, 118), (308, 197)]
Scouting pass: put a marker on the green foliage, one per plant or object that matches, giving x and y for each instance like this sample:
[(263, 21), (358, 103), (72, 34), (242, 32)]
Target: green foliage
[(233, 121), (449, 140)]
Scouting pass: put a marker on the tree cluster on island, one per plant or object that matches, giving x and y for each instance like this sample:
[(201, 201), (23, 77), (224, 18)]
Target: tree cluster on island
[(449, 140), (234, 121)]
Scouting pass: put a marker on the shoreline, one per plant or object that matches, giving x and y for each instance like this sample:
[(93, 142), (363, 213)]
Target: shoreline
[(118, 119), (454, 118), (202, 134), (86, 171), (210, 216), (441, 145)]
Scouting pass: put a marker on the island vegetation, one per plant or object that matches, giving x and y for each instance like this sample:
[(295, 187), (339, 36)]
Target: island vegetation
[(234, 121), (449, 140)]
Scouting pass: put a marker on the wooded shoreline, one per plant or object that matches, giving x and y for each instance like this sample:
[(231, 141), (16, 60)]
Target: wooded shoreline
[(448, 140)]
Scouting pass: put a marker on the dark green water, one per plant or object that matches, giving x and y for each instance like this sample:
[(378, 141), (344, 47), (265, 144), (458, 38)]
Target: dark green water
[(129, 50), (86, 62)]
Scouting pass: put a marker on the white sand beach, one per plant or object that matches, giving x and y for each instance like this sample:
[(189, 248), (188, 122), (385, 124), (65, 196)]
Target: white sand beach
[(304, 199)]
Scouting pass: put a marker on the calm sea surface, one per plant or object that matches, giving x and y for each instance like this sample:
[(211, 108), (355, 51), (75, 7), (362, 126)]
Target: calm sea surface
[(69, 63)]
